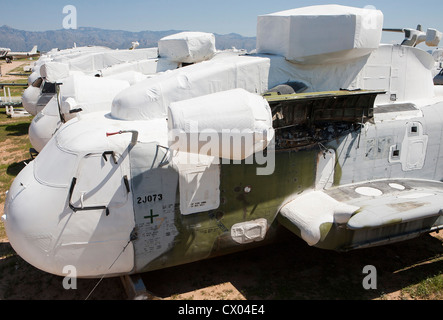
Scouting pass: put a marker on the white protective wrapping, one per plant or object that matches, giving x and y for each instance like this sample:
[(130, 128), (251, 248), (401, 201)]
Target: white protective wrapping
[(249, 231), (310, 211), (63, 55), (320, 34), (199, 183), (53, 71), (318, 77), (92, 62), (98, 61), (150, 99), (404, 72), (132, 77), (55, 236), (188, 47), (146, 67), (29, 99), (71, 53), (91, 94), (44, 125), (231, 124), (433, 37)]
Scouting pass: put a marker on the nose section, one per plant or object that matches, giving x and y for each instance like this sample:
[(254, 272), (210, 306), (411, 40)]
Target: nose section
[(41, 130), (26, 229), (44, 125), (46, 233), (30, 98)]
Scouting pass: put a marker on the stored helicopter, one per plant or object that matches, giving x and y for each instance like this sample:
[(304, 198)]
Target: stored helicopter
[(337, 138)]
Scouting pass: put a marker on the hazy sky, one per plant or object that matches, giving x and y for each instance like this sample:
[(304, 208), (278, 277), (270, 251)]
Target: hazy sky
[(221, 16)]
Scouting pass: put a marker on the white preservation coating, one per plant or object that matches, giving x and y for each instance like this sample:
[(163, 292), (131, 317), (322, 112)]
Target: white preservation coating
[(397, 204), (132, 77), (150, 99), (320, 34), (369, 191), (313, 209), (45, 231), (89, 63), (44, 125), (84, 91), (232, 124), (29, 99), (53, 71), (404, 72), (188, 47), (318, 77), (63, 55), (199, 182), (90, 94), (101, 63), (433, 37), (145, 67), (249, 231)]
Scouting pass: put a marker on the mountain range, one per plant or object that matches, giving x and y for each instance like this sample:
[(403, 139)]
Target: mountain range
[(19, 40)]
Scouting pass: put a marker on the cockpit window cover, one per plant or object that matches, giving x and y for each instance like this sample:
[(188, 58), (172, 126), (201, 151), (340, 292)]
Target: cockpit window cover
[(55, 174)]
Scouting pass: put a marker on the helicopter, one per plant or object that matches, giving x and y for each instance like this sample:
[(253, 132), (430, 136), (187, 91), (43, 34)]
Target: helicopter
[(76, 91), (53, 67), (335, 138)]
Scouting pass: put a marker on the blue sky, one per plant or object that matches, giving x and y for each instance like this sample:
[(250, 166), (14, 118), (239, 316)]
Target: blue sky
[(221, 16)]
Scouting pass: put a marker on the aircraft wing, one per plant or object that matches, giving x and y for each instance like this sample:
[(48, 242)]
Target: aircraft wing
[(363, 205)]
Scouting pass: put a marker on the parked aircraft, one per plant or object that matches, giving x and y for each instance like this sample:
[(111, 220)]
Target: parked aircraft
[(18, 55), (90, 90), (4, 52), (52, 69), (337, 139)]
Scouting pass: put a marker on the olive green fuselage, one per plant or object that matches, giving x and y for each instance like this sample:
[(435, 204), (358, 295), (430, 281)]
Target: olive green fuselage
[(168, 238)]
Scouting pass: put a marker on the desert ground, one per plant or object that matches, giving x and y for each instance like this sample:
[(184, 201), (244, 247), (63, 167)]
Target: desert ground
[(288, 270), (8, 67)]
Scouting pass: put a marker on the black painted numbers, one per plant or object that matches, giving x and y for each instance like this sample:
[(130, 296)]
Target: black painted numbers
[(150, 198)]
